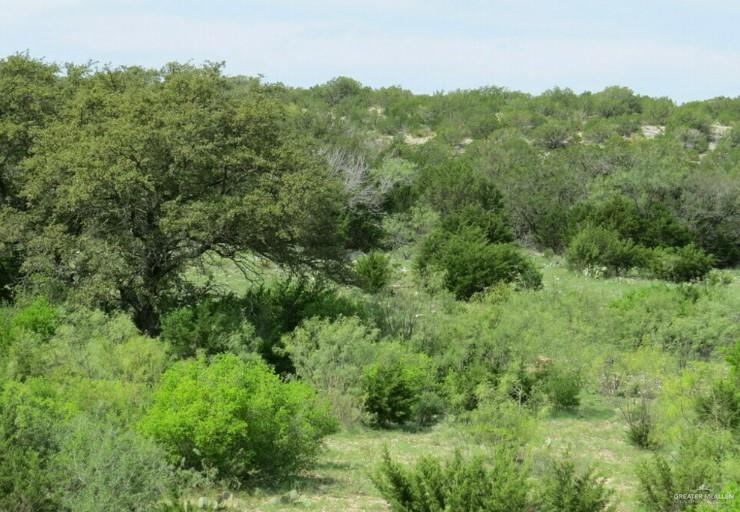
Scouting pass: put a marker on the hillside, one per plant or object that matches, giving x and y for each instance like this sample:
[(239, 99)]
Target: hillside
[(219, 293)]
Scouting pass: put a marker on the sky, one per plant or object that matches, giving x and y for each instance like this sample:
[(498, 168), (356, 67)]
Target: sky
[(683, 49)]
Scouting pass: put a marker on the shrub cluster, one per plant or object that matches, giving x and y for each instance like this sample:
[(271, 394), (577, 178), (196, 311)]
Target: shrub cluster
[(494, 484), (236, 416), (601, 251), (470, 263)]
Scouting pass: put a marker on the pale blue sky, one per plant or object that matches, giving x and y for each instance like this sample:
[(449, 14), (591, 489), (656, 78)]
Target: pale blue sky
[(685, 49)]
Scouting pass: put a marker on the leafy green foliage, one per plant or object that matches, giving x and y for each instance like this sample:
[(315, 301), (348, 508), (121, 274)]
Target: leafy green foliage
[(330, 356), (721, 404), (650, 226), (640, 419), (29, 415), (254, 322), (566, 489), (680, 264), (681, 482), (393, 386), (120, 187), (596, 249), (237, 417), (373, 271), (563, 386), (211, 326), (174, 165), (103, 468), (470, 264), (459, 484)]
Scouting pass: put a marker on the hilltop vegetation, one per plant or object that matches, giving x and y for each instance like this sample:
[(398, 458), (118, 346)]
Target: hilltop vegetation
[(221, 293)]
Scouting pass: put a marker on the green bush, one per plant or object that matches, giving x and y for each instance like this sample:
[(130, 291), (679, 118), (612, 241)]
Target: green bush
[(373, 271), (212, 326), (89, 344), (721, 404), (565, 489), (238, 417), (686, 263), (474, 361), (30, 414), (596, 249), (553, 134), (470, 264), (104, 468), (484, 485), (428, 408), (330, 356), (38, 317), (390, 393), (649, 225), (695, 469), (398, 316), (525, 384), (498, 420), (493, 223), (598, 130), (254, 322), (641, 423), (563, 386)]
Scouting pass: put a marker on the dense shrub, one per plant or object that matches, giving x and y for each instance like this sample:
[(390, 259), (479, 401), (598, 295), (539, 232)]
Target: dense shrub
[(373, 271), (30, 414), (470, 264), (563, 488), (708, 202), (475, 361), (525, 384), (484, 485), (686, 263), (553, 134), (236, 416), (598, 130), (88, 344), (721, 404), (398, 316), (498, 420), (456, 185), (650, 225), (641, 423), (330, 356), (254, 322), (393, 387), (104, 468), (38, 317), (563, 386), (492, 223), (596, 248), (212, 326), (695, 469), (616, 101)]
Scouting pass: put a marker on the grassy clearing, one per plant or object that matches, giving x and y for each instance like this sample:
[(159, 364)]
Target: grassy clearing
[(341, 479), (593, 435)]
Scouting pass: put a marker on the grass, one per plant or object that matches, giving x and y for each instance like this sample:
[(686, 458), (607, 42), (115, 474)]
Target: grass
[(594, 435), (341, 479)]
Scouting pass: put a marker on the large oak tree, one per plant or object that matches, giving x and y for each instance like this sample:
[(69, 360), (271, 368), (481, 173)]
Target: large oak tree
[(144, 171), (30, 91)]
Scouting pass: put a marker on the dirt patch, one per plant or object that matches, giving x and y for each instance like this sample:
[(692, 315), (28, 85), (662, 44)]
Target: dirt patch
[(650, 131), (414, 140)]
